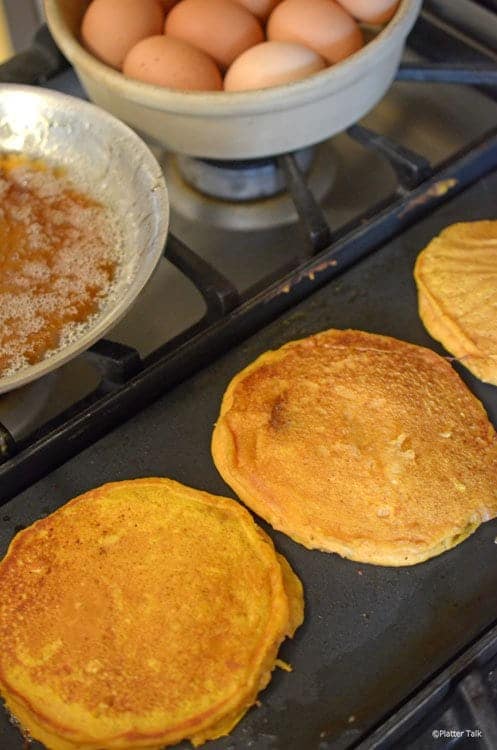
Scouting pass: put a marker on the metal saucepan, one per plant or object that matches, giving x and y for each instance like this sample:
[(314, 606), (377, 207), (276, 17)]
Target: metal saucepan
[(248, 124), (109, 161)]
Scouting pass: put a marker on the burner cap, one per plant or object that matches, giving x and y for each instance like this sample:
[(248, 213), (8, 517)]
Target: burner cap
[(233, 212), (244, 180)]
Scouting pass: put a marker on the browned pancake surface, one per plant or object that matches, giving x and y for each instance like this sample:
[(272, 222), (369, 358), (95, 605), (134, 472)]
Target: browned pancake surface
[(359, 444), (139, 614)]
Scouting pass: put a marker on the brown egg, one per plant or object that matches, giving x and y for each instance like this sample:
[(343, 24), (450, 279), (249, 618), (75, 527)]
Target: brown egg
[(371, 11), (272, 64), (111, 27), (165, 61), (259, 8), (221, 28), (168, 4), (322, 25)]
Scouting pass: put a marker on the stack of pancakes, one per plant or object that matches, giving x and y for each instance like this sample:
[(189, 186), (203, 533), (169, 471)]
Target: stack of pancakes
[(456, 276), (140, 614), (359, 444)]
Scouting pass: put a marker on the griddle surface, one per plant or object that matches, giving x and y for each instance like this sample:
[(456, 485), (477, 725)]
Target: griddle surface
[(371, 635)]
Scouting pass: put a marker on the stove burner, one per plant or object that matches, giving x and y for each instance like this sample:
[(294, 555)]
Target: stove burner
[(245, 180), (273, 209)]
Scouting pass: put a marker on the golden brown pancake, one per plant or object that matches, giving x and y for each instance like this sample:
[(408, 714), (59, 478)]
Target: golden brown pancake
[(359, 444), (456, 276), (139, 614)]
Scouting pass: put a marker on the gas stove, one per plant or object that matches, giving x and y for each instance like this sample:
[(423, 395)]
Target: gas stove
[(260, 253), (248, 239)]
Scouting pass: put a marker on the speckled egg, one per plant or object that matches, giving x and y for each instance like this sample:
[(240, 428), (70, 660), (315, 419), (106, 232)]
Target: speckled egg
[(165, 61)]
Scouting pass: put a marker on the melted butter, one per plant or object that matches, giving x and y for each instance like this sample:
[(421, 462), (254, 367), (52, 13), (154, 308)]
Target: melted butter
[(58, 258)]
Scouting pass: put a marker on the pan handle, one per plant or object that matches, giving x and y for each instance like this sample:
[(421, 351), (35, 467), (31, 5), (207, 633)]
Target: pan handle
[(37, 64)]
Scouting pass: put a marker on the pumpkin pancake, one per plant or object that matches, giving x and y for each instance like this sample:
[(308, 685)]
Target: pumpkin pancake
[(456, 276), (359, 444), (140, 614)]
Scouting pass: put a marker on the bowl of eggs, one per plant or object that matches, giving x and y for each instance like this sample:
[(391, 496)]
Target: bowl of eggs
[(234, 79)]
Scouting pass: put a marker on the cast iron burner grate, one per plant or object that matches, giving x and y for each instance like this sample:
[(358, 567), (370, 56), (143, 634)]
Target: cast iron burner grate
[(129, 382)]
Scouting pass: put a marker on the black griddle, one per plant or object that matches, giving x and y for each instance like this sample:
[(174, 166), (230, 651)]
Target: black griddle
[(372, 636)]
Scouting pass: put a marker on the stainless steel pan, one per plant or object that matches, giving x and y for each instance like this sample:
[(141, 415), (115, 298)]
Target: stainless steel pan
[(247, 124), (105, 157)]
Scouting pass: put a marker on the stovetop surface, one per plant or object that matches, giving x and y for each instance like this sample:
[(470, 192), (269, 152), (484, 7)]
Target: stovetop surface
[(371, 634), (432, 119)]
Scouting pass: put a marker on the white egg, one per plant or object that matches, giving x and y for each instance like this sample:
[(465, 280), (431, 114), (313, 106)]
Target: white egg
[(272, 64), (371, 11)]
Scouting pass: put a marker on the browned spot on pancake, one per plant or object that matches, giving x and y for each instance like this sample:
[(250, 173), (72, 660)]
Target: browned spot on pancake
[(279, 416), (359, 444)]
